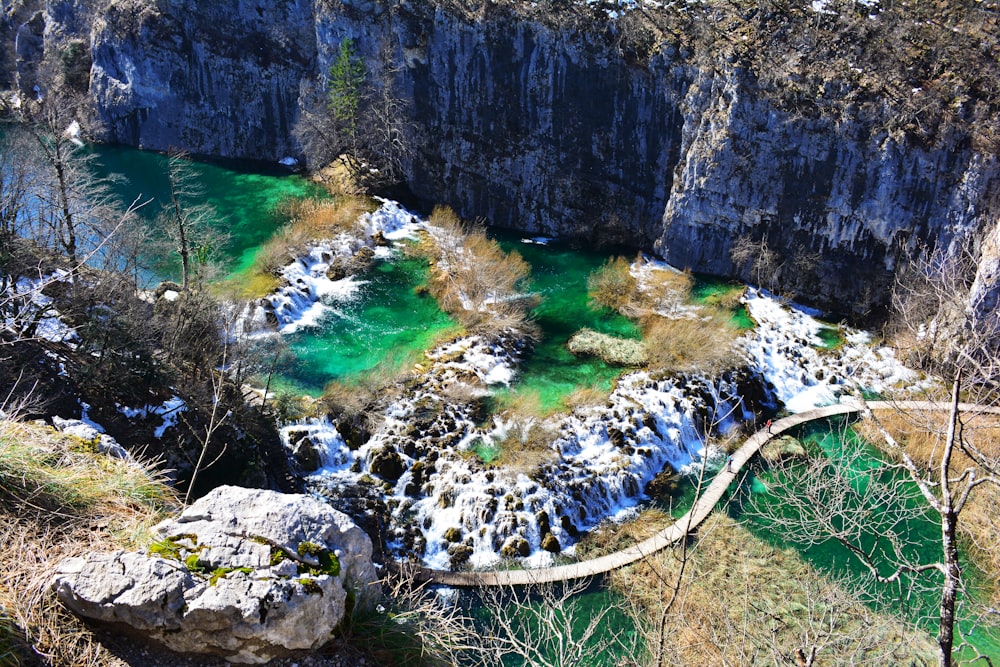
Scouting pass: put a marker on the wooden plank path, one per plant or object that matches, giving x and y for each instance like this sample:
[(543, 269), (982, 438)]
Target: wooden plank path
[(700, 511)]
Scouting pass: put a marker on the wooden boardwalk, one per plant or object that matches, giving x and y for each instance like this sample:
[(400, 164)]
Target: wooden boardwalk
[(700, 511)]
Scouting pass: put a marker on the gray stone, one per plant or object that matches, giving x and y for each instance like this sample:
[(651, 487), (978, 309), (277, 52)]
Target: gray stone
[(245, 574)]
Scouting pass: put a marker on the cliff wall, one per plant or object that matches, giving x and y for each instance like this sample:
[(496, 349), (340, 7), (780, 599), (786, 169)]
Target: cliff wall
[(560, 124)]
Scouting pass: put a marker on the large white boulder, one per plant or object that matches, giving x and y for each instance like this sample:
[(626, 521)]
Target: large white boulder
[(245, 574)]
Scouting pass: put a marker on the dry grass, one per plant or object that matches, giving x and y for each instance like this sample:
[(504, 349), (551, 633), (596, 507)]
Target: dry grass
[(702, 340), (474, 280), (586, 397), (613, 286), (610, 537), (690, 344), (741, 601), (922, 434), (308, 220), (58, 499), (527, 444)]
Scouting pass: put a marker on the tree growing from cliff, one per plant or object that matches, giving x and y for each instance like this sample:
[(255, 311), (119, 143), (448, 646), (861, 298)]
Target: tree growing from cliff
[(347, 76), (356, 117)]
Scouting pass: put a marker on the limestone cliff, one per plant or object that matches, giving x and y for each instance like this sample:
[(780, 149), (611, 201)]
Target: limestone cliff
[(577, 120)]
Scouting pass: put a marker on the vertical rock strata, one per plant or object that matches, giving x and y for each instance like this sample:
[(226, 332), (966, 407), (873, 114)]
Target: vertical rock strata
[(552, 127)]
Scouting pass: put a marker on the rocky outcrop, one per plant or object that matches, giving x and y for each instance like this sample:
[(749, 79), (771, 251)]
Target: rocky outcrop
[(554, 124), (218, 78), (244, 574)]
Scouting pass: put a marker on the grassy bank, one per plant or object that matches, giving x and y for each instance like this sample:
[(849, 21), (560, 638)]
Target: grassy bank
[(60, 498)]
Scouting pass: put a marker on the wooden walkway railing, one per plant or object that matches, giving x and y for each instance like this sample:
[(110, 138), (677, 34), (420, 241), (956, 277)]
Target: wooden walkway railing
[(700, 511)]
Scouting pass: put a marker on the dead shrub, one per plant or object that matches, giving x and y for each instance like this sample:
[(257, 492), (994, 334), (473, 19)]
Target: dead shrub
[(689, 344), (474, 280), (613, 286)]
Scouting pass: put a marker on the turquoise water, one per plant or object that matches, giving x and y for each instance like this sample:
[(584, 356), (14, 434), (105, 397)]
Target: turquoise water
[(616, 638), (559, 275), (389, 323), (919, 535), (245, 197)]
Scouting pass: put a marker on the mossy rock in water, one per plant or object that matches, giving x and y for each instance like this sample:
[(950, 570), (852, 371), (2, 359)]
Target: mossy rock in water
[(306, 455), (453, 534), (611, 350), (782, 447), (542, 519), (515, 547), (386, 463), (664, 485), (551, 543), (459, 554)]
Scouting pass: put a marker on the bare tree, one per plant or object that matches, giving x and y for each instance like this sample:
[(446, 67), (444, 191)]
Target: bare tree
[(356, 114), (186, 221), (545, 626), (943, 466), (757, 260)]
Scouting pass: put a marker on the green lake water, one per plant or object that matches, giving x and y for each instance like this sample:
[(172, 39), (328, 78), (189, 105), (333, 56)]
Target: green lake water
[(388, 323), (559, 276), (245, 196), (614, 639), (920, 535)]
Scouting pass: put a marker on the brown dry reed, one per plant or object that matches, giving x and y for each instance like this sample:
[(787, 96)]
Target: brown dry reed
[(308, 221), (474, 280), (59, 498), (700, 341)]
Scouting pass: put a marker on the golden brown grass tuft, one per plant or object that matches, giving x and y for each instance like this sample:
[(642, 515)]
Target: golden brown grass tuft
[(610, 537), (674, 339), (308, 220), (473, 279), (742, 601), (690, 344), (59, 499), (586, 397), (613, 286), (527, 445)]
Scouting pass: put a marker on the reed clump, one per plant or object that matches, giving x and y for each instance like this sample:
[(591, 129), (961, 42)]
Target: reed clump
[(676, 336), (474, 280), (308, 220), (60, 498)]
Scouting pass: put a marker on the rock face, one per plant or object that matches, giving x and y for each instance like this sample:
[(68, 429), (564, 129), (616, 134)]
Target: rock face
[(219, 78), (242, 573), (550, 127)]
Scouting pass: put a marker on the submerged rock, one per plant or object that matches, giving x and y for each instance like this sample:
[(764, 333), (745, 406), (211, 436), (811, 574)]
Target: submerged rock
[(245, 574), (783, 447)]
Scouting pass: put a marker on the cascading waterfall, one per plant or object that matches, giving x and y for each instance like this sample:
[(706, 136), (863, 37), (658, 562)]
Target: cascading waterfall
[(418, 475), (447, 508)]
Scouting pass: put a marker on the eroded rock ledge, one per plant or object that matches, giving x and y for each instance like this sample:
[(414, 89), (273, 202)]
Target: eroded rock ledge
[(245, 574)]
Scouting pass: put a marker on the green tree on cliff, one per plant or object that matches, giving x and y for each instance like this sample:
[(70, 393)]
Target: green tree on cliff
[(347, 76), (355, 116)]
